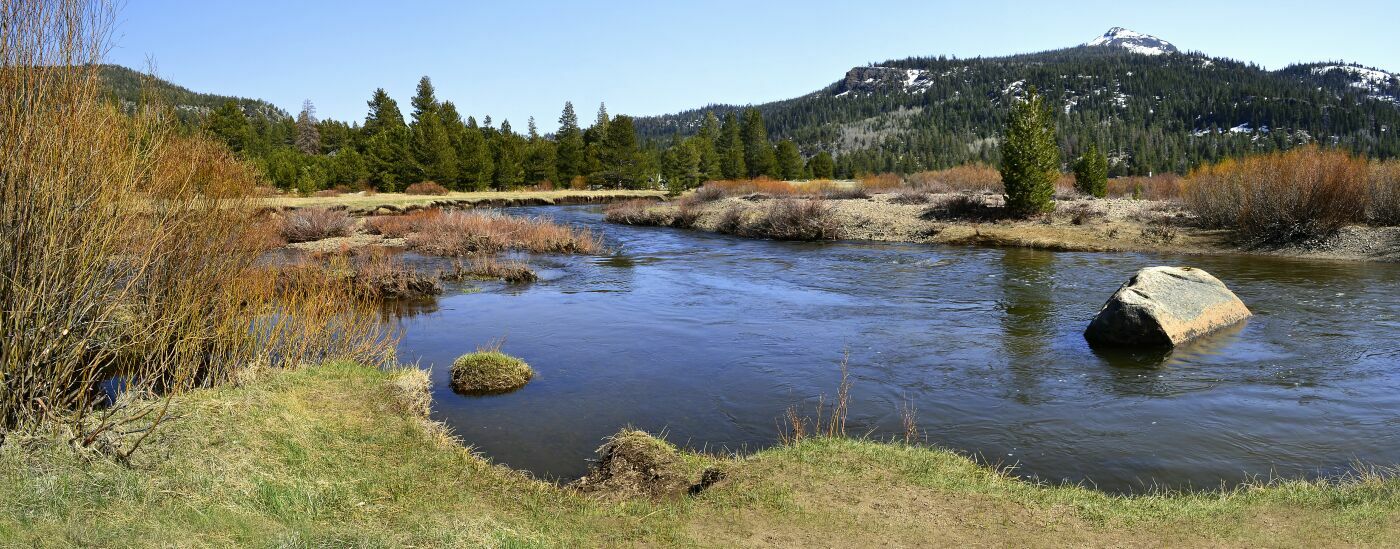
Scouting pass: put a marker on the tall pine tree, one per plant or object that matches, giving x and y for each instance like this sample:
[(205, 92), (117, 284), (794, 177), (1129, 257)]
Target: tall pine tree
[(758, 153), (1030, 157), (569, 159)]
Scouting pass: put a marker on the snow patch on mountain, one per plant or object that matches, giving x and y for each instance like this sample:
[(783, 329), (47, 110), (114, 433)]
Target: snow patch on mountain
[(1136, 42), (1378, 84)]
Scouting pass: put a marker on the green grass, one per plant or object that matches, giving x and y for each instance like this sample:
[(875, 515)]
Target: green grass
[(335, 455)]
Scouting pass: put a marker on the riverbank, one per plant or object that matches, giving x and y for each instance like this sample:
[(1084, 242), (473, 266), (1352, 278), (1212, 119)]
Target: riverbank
[(1101, 225), (339, 455), (360, 203)]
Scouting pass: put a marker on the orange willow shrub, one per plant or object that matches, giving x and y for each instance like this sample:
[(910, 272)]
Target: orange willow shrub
[(977, 178), (130, 249), (1279, 197), (1384, 194), (881, 182), (1158, 187)]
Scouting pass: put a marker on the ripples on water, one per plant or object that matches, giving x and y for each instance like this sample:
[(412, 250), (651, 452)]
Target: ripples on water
[(710, 338)]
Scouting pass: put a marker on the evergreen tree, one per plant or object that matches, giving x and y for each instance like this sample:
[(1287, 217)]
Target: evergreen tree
[(308, 135), (383, 115), (1030, 157), (789, 161), (730, 147), (432, 149), (822, 166), (1091, 173), (539, 158), (478, 167), (704, 145), (569, 159), (456, 131), (619, 156), (230, 124), (758, 153), (506, 154)]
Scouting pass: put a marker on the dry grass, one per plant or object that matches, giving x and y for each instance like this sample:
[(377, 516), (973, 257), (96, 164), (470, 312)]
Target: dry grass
[(426, 187), (1281, 197), (881, 182), (514, 272), (308, 224), (964, 207), (458, 233), (793, 219), (129, 247), (638, 212)]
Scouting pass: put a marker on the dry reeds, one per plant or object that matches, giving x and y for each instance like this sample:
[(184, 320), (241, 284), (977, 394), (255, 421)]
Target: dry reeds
[(130, 251), (1281, 197), (828, 421), (463, 233), (641, 212), (1165, 186), (308, 224), (794, 219)]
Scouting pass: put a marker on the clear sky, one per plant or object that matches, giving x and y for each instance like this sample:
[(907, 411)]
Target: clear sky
[(514, 59)]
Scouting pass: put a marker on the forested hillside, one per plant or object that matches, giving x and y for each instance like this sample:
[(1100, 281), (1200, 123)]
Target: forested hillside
[(1165, 112), (1150, 107)]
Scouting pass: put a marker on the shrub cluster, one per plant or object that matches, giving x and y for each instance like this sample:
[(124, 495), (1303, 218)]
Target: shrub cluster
[(426, 187), (1281, 197), (308, 224)]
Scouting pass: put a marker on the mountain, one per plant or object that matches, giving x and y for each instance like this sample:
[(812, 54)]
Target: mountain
[(1155, 107), (1146, 44), (127, 87)]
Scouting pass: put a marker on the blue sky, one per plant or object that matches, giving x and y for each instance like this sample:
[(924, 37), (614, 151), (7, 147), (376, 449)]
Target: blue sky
[(521, 58)]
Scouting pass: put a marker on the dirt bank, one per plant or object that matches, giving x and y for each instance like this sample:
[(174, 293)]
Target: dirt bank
[(1076, 225)]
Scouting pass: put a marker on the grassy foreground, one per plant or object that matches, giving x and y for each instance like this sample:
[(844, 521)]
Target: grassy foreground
[(339, 455)]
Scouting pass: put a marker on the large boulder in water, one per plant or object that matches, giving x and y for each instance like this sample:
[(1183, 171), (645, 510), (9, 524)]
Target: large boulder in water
[(1165, 306)]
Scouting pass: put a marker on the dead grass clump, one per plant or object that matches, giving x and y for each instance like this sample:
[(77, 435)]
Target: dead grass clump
[(1081, 213), (308, 224), (731, 220), (637, 212), (465, 233), (1158, 187), (514, 272), (426, 188), (401, 225), (794, 219), (635, 464), (974, 178), (326, 193), (708, 193), (381, 275), (1383, 204), (851, 192), (911, 196), (1281, 197), (964, 207)]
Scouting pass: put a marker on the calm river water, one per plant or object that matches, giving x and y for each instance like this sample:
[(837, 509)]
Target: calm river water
[(709, 339)]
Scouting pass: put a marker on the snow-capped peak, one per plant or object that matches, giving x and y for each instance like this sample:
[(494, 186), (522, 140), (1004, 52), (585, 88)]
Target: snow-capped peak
[(1135, 42)]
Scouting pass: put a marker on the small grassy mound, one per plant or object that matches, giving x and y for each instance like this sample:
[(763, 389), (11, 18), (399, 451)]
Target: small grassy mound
[(489, 372)]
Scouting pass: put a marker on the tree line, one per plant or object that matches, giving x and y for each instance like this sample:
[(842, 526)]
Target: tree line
[(388, 152)]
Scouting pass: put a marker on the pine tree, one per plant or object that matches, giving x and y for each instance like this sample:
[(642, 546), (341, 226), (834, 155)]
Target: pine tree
[(474, 155), (730, 147), (432, 149), (1091, 173), (1030, 157), (569, 157), (506, 149), (758, 153), (539, 158), (619, 156), (308, 139), (822, 166), (789, 160), (384, 114), (704, 145), (229, 123)]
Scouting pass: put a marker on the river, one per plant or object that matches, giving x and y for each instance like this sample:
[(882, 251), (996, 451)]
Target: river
[(708, 339)]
